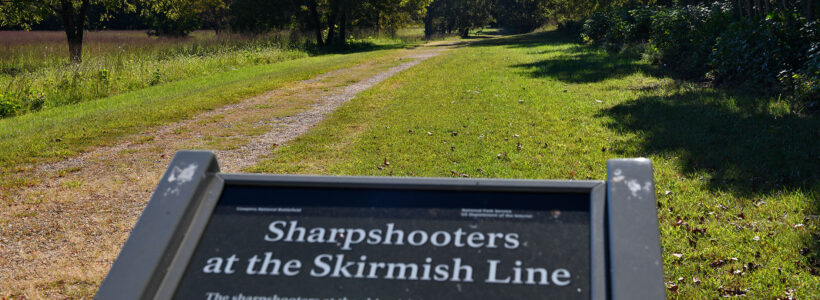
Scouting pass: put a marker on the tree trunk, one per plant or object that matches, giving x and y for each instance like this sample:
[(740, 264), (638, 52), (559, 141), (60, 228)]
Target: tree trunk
[(343, 25), (758, 10), (74, 26), (465, 32), (317, 24), (330, 33), (810, 10), (75, 49), (739, 9), (428, 24)]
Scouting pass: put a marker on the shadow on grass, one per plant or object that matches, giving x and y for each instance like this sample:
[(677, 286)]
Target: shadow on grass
[(576, 64), (728, 136), (584, 66), (528, 40), (725, 133), (748, 154), (744, 151), (355, 47)]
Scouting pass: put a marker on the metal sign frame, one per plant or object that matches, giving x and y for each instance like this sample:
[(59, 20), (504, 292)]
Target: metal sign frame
[(625, 260)]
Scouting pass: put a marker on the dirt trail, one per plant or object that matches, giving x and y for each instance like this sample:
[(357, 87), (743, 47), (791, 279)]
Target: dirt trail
[(59, 238)]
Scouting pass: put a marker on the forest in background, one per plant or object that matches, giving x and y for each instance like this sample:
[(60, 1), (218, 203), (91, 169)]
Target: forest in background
[(763, 46)]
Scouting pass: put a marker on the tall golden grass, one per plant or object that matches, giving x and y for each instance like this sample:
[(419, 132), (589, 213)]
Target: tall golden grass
[(35, 72)]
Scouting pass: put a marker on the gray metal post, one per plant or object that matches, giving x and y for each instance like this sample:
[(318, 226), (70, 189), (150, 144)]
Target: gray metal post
[(635, 263), (142, 263)]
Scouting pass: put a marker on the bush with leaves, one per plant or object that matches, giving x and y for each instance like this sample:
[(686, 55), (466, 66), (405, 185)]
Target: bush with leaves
[(9, 105), (618, 26), (596, 27), (806, 82), (778, 53), (684, 37)]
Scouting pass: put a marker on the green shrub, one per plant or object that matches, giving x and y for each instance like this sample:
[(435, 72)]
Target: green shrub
[(571, 27), (806, 82), (684, 37), (778, 53), (596, 27), (9, 105), (615, 27)]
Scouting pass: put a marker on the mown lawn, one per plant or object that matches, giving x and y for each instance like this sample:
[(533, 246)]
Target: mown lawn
[(737, 177)]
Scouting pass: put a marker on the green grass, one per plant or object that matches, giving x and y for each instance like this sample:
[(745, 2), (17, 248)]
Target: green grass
[(63, 131), (737, 177), (35, 74)]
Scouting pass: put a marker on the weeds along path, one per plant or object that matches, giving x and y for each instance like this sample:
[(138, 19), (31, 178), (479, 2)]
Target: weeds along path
[(58, 238)]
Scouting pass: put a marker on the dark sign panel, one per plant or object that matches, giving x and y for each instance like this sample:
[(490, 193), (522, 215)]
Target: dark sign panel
[(376, 243), (217, 236)]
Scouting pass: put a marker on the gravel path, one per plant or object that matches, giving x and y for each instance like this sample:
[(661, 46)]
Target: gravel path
[(58, 238), (296, 125)]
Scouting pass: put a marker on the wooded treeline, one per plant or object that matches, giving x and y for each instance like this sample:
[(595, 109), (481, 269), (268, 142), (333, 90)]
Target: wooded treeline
[(695, 37)]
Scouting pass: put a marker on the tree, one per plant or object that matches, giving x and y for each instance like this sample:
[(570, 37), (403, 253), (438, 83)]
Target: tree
[(216, 14), (73, 13), (255, 16), (523, 15), (330, 21), (446, 16), (178, 17)]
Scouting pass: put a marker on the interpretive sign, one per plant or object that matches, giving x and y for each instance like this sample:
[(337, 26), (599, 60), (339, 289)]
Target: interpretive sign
[(209, 235)]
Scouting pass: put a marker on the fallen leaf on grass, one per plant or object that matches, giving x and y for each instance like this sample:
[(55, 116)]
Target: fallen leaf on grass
[(457, 174), (717, 263), (751, 266), (789, 295), (738, 272)]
